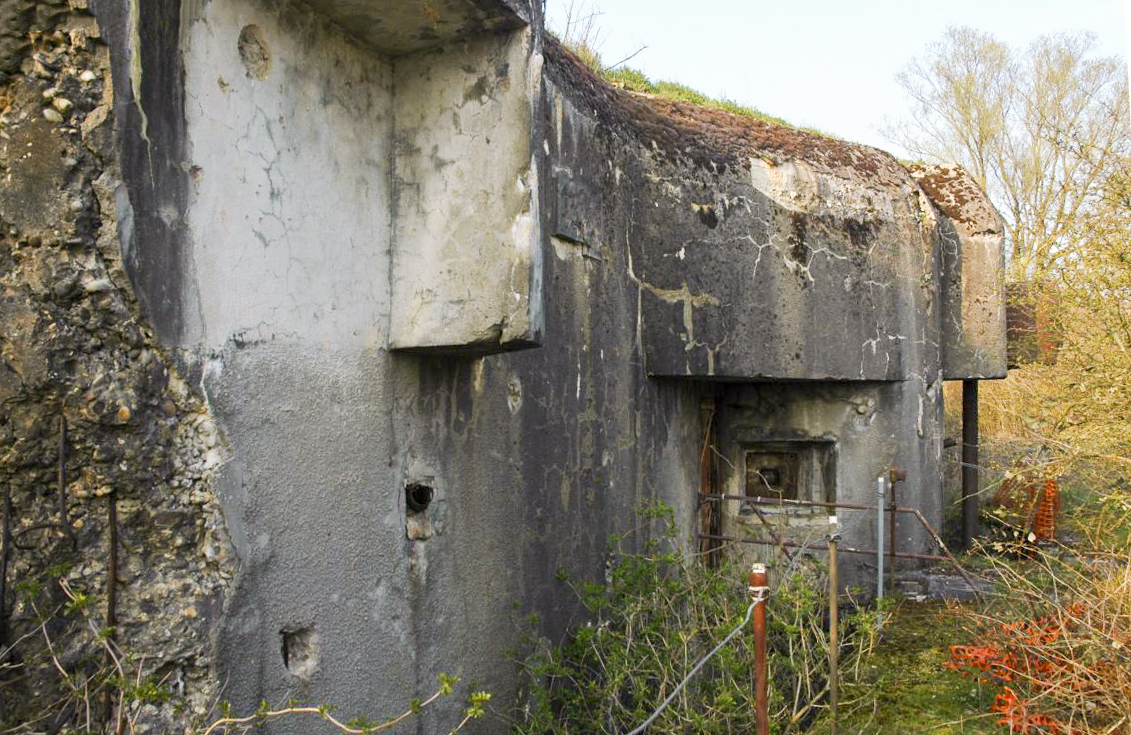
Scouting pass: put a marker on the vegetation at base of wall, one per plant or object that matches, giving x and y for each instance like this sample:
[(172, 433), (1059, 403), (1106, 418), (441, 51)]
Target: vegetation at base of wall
[(95, 682), (1055, 647), (655, 617), (360, 725)]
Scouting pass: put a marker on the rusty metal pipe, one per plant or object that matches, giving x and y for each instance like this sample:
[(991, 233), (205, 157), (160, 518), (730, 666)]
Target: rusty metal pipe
[(762, 500), (834, 612), (814, 503), (759, 587), (818, 547), (770, 530), (950, 557), (894, 475), (849, 506)]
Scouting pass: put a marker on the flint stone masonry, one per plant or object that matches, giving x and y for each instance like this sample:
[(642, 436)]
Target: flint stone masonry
[(376, 246), (101, 437)]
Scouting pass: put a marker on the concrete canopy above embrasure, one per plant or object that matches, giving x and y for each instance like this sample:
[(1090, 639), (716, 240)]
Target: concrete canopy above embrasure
[(396, 27), (761, 251)]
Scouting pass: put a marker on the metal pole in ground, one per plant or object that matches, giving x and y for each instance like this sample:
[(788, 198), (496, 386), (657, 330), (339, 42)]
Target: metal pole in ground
[(879, 548), (969, 462), (760, 588), (834, 610), (895, 475)]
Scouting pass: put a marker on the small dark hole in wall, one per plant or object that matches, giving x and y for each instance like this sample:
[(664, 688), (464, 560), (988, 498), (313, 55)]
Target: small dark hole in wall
[(254, 54), (417, 497), (300, 651)]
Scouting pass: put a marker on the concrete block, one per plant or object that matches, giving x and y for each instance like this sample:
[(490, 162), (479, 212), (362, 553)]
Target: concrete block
[(972, 271), (466, 243)]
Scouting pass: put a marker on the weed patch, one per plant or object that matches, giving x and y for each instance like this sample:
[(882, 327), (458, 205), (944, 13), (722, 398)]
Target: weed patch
[(655, 618)]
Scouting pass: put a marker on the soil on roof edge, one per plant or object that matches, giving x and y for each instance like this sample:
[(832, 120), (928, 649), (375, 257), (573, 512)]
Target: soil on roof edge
[(706, 137)]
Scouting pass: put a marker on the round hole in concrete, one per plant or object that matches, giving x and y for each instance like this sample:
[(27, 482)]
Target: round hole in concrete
[(254, 54), (417, 496)]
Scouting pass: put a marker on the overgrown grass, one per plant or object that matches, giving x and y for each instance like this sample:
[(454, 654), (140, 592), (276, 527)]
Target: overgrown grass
[(637, 81), (905, 687), (1055, 644)]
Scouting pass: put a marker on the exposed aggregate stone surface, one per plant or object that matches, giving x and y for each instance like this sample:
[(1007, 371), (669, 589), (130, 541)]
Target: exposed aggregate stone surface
[(75, 357)]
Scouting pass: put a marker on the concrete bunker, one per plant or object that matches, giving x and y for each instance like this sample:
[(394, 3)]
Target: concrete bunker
[(456, 308)]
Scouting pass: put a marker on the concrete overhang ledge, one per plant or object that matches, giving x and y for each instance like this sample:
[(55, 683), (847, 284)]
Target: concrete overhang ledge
[(397, 27)]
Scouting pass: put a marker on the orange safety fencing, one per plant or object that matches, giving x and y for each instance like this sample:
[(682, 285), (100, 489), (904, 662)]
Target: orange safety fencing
[(1035, 495), (1012, 659)]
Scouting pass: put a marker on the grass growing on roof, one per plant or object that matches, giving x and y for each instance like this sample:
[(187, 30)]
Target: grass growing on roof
[(634, 80)]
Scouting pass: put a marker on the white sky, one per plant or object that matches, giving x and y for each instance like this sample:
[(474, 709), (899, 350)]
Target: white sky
[(825, 64)]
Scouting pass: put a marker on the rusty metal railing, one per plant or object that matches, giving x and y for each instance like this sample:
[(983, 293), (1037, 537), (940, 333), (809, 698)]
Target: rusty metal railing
[(755, 501)]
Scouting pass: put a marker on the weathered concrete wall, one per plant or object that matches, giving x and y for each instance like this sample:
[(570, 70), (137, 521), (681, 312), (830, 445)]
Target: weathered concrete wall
[(969, 240), (295, 177), (816, 260), (760, 251), (397, 27), (289, 219), (533, 459), (867, 428), (288, 146)]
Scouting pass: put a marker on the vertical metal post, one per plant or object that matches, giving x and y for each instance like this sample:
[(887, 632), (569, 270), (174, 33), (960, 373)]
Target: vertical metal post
[(892, 538), (759, 587), (834, 614), (895, 476), (879, 546), (709, 510), (969, 461)]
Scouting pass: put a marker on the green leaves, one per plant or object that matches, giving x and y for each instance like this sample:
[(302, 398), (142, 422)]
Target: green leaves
[(475, 703), (651, 623), (447, 683)]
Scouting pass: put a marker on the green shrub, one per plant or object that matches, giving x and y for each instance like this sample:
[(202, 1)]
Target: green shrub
[(656, 617)]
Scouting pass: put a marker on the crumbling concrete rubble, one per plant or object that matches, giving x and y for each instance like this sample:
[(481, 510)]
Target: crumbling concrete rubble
[(95, 420)]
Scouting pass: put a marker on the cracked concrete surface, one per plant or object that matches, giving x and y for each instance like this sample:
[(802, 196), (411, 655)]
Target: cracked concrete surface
[(467, 233), (266, 169), (970, 240)]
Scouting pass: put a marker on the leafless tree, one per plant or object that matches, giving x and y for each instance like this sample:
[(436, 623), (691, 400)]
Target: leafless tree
[(1044, 130)]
